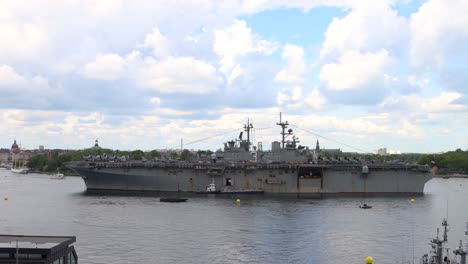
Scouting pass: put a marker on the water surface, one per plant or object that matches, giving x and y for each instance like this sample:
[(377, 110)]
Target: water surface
[(214, 229)]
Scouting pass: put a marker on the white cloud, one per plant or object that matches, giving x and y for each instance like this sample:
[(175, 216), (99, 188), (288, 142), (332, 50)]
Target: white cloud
[(236, 72), (24, 41), (13, 83), (439, 29), (369, 27), (172, 112), (48, 48), (292, 76), (360, 125), (179, 75), (355, 70), (155, 100), (237, 41), (102, 9), (315, 99), (295, 99), (295, 69), (444, 102), (9, 77), (105, 67), (289, 96), (256, 6), (414, 104), (63, 68), (282, 98), (408, 129), (418, 82), (158, 43)]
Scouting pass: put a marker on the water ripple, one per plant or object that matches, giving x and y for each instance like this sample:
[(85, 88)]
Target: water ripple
[(131, 229)]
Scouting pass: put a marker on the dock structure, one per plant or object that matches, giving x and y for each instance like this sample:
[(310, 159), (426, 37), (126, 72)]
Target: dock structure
[(22, 249)]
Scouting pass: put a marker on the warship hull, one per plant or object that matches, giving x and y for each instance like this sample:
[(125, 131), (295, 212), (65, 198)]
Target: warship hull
[(271, 178)]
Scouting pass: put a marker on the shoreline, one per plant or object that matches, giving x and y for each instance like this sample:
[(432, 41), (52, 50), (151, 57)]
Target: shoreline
[(447, 176), (52, 173)]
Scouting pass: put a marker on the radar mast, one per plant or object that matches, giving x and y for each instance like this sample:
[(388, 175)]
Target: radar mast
[(283, 126), (247, 128)]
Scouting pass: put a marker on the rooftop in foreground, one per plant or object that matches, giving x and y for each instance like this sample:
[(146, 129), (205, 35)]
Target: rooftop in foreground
[(37, 249)]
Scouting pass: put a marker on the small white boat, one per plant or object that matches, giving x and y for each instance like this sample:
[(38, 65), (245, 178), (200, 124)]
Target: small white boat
[(58, 175), (20, 170), (210, 188)]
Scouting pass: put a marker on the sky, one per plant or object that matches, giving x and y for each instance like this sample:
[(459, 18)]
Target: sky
[(358, 75)]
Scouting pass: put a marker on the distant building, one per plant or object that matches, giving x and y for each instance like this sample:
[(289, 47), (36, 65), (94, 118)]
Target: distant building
[(319, 150), (96, 146), (5, 156), (41, 148), (15, 148), (382, 151), (37, 249), (18, 155), (331, 151)]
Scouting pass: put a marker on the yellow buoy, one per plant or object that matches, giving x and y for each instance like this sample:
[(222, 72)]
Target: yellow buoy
[(5, 198), (238, 201), (411, 200), (369, 260)]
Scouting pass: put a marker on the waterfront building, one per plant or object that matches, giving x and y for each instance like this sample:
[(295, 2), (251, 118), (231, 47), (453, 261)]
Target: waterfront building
[(96, 146), (37, 249), (382, 151), (5, 157)]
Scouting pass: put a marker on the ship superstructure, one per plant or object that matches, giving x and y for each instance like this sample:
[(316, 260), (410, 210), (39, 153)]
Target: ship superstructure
[(440, 252), (287, 168)]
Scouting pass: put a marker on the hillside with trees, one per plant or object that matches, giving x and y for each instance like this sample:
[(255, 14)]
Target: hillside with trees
[(456, 161), (54, 161)]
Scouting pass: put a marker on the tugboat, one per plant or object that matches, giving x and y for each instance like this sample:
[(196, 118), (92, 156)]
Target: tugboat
[(210, 189)]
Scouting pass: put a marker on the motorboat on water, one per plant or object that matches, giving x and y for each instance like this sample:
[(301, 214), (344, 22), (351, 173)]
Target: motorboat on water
[(20, 170), (172, 199), (365, 206), (58, 176), (210, 189)]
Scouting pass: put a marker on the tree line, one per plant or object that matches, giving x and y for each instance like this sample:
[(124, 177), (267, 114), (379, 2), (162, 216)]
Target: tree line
[(452, 160), (55, 160)]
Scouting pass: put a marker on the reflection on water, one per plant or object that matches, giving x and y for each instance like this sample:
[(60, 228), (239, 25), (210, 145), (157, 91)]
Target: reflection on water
[(214, 229)]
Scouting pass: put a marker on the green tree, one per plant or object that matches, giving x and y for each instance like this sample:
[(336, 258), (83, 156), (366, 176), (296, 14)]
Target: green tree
[(37, 162), (154, 154), (173, 155), (204, 153), (453, 160), (185, 155), (137, 154)]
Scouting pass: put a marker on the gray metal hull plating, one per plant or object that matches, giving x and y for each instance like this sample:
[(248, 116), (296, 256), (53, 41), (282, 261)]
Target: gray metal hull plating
[(274, 179)]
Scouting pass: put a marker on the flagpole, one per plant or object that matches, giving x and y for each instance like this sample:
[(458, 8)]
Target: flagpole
[(17, 251)]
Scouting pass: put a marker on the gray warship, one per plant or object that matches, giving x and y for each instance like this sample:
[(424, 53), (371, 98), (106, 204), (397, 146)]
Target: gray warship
[(288, 168), (438, 245)]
